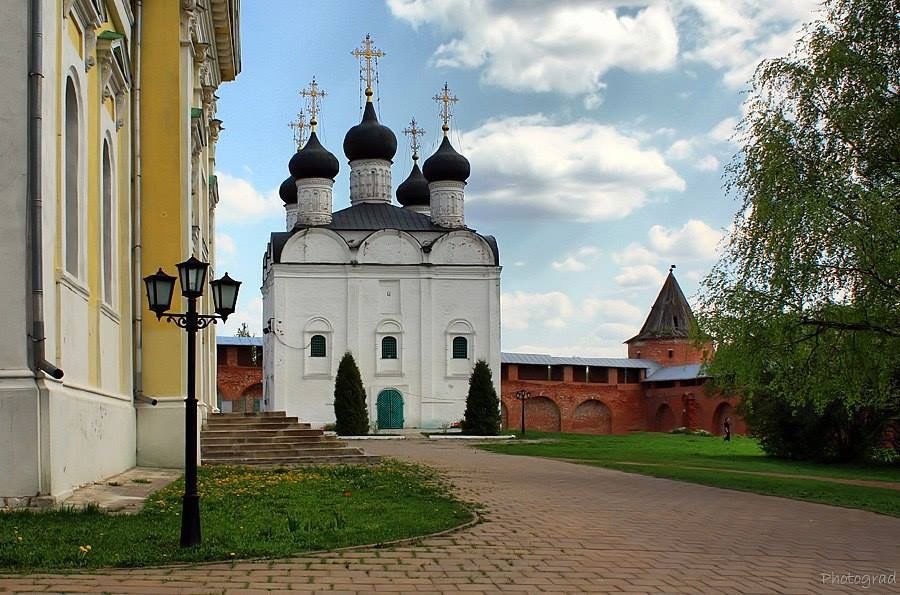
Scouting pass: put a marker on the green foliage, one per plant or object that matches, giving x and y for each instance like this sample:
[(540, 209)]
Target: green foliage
[(350, 412), (247, 513), (804, 307), (482, 417)]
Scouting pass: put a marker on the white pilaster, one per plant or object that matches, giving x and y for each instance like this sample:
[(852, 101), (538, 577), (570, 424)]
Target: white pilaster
[(290, 215)]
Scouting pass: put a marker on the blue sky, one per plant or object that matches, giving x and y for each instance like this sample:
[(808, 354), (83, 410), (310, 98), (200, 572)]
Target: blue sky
[(597, 131)]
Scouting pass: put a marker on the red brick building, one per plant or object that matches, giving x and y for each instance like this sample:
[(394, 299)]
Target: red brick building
[(658, 387), (239, 374)]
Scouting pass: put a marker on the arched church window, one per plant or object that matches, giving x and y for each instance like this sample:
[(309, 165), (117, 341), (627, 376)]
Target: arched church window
[(460, 348), (389, 348), (317, 346), (72, 256)]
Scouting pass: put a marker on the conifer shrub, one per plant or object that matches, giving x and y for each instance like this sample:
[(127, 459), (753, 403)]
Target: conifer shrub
[(482, 416), (351, 415)]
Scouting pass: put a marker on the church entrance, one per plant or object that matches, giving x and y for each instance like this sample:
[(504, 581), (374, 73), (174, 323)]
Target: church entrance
[(390, 410)]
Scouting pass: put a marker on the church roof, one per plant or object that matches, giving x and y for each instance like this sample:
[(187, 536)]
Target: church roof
[(670, 317), (373, 217)]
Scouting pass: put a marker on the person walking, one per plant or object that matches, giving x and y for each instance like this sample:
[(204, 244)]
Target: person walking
[(727, 429)]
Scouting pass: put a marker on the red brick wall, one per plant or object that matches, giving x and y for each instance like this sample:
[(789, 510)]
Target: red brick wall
[(613, 408), (234, 381), (657, 350)]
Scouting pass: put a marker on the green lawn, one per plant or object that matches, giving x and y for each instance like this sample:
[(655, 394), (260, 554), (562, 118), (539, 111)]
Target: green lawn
[(678, 456), (245, 513)]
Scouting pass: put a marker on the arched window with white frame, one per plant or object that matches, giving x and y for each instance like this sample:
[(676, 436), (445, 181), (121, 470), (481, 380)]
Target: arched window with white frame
[(318, 334), (460, 337), (389, 348)]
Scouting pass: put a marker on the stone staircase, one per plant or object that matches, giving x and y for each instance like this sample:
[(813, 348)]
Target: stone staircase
[(271, 439)]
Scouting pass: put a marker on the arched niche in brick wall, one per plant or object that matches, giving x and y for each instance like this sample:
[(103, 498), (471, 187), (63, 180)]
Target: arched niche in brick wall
[(592, 417), (542, 414), (723, 410), (664, 420)]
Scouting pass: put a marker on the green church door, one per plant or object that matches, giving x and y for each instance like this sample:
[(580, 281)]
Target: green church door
[(390, 410)]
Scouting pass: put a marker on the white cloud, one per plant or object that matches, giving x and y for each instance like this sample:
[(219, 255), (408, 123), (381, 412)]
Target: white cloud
[(579, 261), (519, 263), (707, 163), (724, 131), (240, 202), (565, 47), (582, 171), (633, 254), (610, 310), (520, 309), (641, 275), (735, 35), (225, 245), (695, 240)]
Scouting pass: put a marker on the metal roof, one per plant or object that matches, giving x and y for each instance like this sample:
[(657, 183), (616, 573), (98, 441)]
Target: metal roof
[(542, 359), (686, 372), (671, 315), (239, 341), (373, 217)]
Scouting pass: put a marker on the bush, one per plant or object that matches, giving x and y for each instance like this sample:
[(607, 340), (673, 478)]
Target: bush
[(351, 415), (482, 416), (837, 432)]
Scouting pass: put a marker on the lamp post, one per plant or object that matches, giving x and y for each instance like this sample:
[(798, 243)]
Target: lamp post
[(522, 396), (160, 286)]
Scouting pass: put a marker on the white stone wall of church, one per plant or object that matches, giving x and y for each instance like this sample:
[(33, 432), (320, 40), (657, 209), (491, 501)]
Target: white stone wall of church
[(354, 301)]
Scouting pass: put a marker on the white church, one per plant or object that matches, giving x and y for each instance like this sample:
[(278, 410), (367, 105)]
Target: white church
[(409, 290)]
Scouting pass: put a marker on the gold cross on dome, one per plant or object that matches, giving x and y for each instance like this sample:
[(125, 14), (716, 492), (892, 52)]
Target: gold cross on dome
[(446, 100), (414, 132), (366, 54), (298, 128), (313, 96)]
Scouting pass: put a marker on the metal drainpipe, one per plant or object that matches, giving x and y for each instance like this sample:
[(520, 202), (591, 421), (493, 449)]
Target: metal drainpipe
[(137, 302), (35, 106)]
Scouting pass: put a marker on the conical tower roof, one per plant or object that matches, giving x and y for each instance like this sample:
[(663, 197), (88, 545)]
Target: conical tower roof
[(670, 317)]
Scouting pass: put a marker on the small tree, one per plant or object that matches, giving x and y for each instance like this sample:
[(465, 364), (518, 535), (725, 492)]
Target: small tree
[(351, 416), (482, 416)]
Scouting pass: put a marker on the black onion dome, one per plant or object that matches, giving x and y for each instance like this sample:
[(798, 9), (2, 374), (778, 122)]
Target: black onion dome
[(369, 139), (413, 191), (313, 161), (446, 164), (288, 191)]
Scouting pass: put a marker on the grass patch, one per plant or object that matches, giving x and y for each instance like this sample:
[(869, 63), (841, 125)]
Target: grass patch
[(246, 513), (701, 460)]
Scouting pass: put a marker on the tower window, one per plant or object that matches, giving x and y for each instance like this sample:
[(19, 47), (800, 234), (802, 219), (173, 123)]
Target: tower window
[(317, 346), (389, 348), (671, 353), (460, 348), (675, 321)]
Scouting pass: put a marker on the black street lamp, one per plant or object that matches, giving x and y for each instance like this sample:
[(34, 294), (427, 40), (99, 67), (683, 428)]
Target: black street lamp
[(160, 286), (522, 396)]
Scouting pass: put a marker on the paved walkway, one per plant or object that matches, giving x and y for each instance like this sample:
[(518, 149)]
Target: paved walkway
[(559, 527)]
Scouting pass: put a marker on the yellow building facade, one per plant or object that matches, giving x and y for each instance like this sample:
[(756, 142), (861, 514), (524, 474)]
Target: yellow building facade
[(108, 152)]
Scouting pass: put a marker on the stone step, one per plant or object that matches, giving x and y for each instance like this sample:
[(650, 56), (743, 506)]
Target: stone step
[(269, 453), (297, 461), (240, 420), (240, 414), (265, 448), (252, 438), (254, 425), (248, 432)]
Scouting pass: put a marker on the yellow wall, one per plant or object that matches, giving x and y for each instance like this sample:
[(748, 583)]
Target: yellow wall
[(164, 222)]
